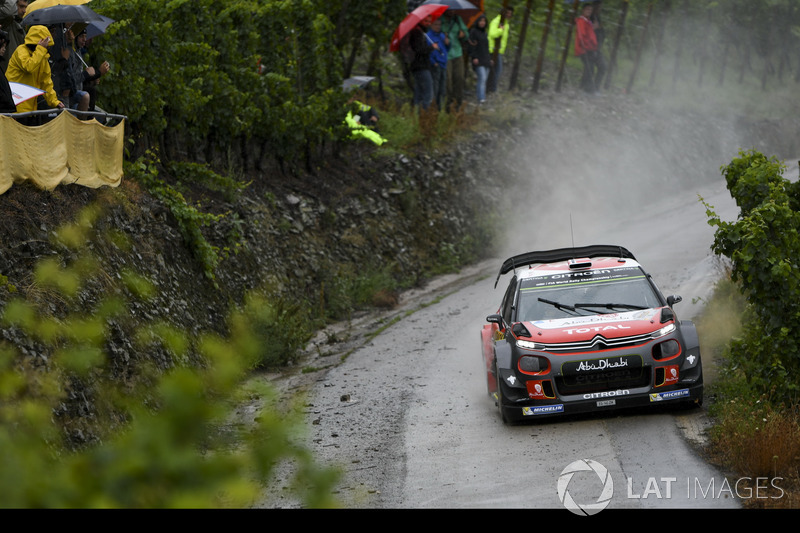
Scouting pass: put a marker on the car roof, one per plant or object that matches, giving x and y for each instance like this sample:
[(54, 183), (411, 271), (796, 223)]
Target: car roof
[(568, 259)]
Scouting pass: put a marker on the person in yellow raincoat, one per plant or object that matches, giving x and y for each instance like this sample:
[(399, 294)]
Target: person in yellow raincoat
[(29, 65), (359, 129)]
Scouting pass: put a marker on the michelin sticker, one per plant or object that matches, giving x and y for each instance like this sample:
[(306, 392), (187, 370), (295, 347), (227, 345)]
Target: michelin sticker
[(543, 410), (671, 395)]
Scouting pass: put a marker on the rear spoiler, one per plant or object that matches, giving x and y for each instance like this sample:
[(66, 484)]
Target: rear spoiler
[(562, 254)]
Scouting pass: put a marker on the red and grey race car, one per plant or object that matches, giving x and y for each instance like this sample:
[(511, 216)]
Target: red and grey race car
[(586, 329)]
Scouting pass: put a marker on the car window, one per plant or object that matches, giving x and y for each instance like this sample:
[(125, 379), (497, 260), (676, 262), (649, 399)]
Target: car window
[(508, 300), (628, 286)]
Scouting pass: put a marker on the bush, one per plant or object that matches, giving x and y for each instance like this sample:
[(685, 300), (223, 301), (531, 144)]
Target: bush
[(763, 245), (158, 439)]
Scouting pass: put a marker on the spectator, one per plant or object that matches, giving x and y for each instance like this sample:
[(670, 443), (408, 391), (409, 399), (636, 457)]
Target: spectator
[(481, 59), (421, 64), (363, 123), (94, 69), (29, 65), (11, 13), (499, 29), (456, 31), (439, 62), (68, 73), (6, 99), (600, 33), (586, 48)]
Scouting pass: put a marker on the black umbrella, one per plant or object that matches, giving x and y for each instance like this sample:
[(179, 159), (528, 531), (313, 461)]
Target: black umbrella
[(93, 29), (61, 14), (455, 5)]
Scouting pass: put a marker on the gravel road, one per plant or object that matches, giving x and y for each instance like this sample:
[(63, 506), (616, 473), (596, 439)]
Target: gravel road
[(406, 414)]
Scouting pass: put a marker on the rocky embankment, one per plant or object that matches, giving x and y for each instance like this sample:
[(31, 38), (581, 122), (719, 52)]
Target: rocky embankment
[(413, 212)]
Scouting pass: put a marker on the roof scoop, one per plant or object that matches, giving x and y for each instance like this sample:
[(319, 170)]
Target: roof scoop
[(579, 264)]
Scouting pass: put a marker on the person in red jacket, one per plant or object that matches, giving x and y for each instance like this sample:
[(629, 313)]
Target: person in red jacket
[(586, 48)]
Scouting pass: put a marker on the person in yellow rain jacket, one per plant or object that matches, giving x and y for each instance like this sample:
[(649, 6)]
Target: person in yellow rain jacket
[(499, 28), (29, 65), (364, 122)]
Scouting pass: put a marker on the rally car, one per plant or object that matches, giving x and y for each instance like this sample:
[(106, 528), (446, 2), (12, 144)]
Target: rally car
[(586, 329)]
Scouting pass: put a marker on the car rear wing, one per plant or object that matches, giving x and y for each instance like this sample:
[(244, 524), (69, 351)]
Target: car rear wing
[(562, 254)]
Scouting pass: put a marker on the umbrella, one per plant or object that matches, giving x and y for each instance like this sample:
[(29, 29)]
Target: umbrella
[(61, 14), (41, 4), (356, 82), (412, 19), (93, 29), (454, 5)]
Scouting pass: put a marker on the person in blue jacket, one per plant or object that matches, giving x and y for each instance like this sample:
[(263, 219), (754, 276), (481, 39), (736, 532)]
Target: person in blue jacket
[(439, 62)]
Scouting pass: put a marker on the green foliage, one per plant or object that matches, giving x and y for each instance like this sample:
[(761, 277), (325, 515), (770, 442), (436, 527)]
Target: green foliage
[(190, 219), (196, 174), (755, 438), (763, 245), (286, 325), (345, 290), (214, 73), (164, 439)]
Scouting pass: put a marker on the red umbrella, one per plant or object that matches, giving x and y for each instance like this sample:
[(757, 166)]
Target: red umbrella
[(412, 19)]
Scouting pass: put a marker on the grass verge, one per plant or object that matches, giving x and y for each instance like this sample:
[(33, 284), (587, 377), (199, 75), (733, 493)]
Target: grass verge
[(753, 437)]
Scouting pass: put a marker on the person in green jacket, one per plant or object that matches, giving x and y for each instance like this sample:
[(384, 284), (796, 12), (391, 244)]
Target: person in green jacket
[(499, 28), (456, 31)]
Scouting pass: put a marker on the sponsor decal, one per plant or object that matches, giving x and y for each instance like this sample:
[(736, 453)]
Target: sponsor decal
[(671, 395), (606, 394), (536, 391), (543, 410), (596, 329), (671, 374), (603, 364), (577, 322)]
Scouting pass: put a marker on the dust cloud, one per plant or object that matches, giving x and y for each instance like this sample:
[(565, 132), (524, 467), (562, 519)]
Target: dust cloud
[(598, 162)]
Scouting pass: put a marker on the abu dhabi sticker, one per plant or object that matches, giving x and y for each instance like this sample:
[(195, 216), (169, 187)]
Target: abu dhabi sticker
[(671, 395)]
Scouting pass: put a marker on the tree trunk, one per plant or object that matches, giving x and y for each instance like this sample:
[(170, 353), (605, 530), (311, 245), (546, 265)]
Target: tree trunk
[(567, 46), (638, 58), (659, 42), (537, 75), (518, 54), (612, 62), (681, 32)]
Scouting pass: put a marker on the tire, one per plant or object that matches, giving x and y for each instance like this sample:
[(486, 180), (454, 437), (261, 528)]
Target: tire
[(509, 415)]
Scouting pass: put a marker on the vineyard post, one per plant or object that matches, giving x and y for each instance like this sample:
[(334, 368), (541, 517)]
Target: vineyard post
[(537, 75), (638, 58), (518, 54), (612, 63), (660, 41), (567, 47)]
